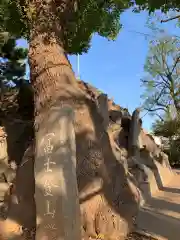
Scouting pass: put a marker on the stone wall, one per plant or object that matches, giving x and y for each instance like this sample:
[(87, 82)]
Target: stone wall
[(143, 147), (109, 199), (106, 158)]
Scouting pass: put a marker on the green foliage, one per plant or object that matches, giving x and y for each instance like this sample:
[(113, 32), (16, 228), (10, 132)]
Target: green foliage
[(174, 152), (170, 129), (162, 80), (167, 128), (152, 5), (87, 18), (80, 21), (12, 60)]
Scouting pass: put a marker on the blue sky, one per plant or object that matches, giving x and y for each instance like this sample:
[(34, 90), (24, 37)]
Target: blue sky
[(115, 67)]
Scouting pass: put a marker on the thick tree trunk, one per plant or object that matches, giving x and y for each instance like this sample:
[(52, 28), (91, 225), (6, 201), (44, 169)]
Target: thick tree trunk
[(56, 193)]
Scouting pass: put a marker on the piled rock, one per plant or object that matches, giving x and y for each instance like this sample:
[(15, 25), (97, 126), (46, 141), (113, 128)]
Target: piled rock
[(108, 192)]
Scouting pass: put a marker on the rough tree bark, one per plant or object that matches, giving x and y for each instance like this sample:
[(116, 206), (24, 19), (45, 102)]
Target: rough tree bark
[(57, 203), (51, 77)]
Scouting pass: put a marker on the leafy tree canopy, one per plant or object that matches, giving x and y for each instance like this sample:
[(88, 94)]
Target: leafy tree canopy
[(12, 59), (83, 18)]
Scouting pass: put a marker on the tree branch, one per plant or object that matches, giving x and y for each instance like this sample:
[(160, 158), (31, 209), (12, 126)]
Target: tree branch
[(166, 82), (159, 116), (163, 55), (155, 109), (169, 19), (160, 74), (176, 62), (155, 85), (159, 95)]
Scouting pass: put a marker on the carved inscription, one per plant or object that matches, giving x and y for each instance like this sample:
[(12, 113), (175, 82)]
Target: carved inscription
[(48, 184), (49, 212), (48, 164), (48, 188), (48, 147), (51, 227)]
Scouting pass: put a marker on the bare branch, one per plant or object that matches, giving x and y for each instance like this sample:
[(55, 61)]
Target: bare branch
[(166, 82), (160, 74), (160, 94), (162, 105), (163, 55), (154, 109), (159, 116), (155, 85), (162, 79), (169, 19), (176, 62)]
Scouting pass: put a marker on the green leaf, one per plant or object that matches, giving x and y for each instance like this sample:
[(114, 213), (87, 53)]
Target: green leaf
[(12, 59)]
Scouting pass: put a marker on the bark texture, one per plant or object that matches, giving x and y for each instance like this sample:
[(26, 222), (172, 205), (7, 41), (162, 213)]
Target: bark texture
[(56, 195), (109, 201)]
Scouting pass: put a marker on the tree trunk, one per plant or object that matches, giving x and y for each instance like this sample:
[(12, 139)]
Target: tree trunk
[(1, 90), (56, 194), (173, 94), (177, 105)]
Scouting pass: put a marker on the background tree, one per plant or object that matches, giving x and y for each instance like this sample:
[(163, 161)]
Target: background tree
[(158, 29), (12, 61), (12, 74), (153, 5), (53, 29), (162, 79), (170, 130), (168, 125), (174, 17)]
